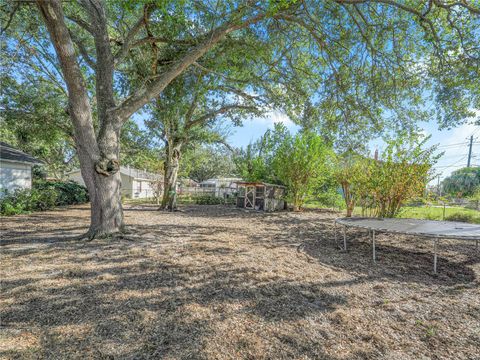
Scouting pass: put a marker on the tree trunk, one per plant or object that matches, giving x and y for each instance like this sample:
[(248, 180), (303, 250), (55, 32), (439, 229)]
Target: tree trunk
[(349, 202), (98, 156), (106, 206), (172, 163), (102, 179)]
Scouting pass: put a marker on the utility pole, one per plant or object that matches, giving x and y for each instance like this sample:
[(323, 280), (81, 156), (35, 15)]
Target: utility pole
[(470, 151)]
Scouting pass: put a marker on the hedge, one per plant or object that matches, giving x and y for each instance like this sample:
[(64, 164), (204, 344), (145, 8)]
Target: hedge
[(43, 195)]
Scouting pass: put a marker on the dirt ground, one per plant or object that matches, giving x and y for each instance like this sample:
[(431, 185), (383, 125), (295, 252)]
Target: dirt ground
[(212, 282)]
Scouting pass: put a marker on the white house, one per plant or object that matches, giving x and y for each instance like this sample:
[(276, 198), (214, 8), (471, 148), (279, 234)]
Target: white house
[(135, 183), (220, 186), (15, 169)]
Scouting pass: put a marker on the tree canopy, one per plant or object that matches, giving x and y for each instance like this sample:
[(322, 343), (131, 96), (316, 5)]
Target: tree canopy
[(462, 182), (348, 69)]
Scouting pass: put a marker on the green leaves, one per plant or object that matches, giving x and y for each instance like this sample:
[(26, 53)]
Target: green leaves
[(463, 182), (381, 186), (299, 162)]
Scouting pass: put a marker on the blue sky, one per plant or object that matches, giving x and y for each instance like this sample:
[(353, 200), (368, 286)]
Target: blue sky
[(453, 142)]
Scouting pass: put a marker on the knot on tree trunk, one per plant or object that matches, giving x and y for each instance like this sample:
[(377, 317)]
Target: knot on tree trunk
[(107, 167)]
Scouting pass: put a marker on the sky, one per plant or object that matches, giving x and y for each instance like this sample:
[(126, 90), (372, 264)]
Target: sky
[(454, 143)]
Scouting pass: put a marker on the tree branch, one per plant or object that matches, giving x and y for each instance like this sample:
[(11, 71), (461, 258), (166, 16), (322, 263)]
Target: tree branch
[(80, 22), (143, 95), (10, 18), (127, 44), (204, 118), (79, 105), (83, 51)]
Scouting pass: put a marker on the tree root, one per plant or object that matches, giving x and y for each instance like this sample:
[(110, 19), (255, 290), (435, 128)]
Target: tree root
[(91, 235)]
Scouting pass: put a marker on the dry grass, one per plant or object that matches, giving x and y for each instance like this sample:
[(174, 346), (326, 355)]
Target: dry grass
[(220, 283)]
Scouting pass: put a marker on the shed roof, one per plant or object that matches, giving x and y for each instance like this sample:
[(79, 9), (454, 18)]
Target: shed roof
[(258, 183), (9, 153)]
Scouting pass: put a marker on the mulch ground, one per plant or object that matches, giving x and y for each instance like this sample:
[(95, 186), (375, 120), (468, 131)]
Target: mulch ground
[(212, 282)]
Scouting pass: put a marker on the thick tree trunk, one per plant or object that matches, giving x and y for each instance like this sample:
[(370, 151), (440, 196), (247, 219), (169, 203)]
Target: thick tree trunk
[(172, 163), (106, 206), (105, 198), (98, 156)]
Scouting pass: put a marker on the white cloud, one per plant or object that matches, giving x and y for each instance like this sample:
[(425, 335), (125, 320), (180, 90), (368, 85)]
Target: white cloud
[(272, 117)]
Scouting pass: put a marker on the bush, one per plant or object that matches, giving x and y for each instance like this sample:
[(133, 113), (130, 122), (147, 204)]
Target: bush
[(208, 200), (68, 192), (468, 218), (26, 200), (330, 199), (43, 196)]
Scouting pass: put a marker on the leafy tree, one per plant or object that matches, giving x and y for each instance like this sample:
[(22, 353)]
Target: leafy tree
[(351, 172), (299, 162), (462, 182), (205, 162), (382, 186), (91, 51), (360, 58), (34, 120), (402, 173), (188, 113), (254, 163)]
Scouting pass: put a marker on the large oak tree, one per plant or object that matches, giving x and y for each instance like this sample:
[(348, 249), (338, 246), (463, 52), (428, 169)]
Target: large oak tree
[(353, 60)]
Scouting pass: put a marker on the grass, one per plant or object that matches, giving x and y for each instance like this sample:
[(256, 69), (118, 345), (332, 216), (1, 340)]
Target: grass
[(436, 213), (216, 282), (456, 213), (420, 212)]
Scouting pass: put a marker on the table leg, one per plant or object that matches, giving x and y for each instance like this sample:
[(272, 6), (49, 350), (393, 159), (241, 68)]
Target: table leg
[(335, 231), (435, 255), (345, 238), (373, 247)]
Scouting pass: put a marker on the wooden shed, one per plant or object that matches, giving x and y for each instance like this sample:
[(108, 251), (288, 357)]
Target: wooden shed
[(260, 196)]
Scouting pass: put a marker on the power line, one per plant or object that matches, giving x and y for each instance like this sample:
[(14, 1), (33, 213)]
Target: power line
[(453, 164), (458, 145)]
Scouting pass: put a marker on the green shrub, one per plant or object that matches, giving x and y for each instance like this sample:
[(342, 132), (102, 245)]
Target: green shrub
[(68, 193), (208, 200), (42, 199), (7, 209), (43, 196), (462, 217), (329, 199), (26, 200)]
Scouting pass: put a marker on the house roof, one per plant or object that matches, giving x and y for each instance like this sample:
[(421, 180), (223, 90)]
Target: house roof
[(132, 172), (9, 153), (220, 180), (139, 174)]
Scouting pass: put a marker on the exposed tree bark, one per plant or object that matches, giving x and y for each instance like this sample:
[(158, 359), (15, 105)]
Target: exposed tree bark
[(99, 153), (172, 163), (98, 157)]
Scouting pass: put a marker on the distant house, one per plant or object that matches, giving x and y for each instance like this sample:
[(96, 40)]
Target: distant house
[(135, 183), (220, 186), (15, 169)]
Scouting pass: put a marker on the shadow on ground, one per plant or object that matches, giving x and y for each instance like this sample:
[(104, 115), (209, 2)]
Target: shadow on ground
[(218, 283)]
